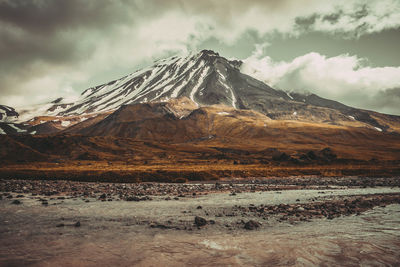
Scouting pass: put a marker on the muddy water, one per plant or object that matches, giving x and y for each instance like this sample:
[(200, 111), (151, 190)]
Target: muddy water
[(118, 234)]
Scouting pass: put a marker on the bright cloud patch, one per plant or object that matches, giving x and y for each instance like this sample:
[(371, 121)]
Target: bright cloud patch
[(344, 78)]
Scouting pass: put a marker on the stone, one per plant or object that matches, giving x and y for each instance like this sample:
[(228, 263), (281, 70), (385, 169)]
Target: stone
[(133, 198), (16, 202), (199, 221), (251, 225)]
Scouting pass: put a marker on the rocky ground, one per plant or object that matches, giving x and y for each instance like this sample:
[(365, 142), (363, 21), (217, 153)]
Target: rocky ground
[(255, 222), (249, 216), (132, 191)]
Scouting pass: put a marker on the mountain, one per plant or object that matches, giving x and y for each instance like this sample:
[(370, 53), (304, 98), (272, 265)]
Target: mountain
[(182, 117), (177, 120), (7, 113), (237, 131), (206, 79), (178, 130)]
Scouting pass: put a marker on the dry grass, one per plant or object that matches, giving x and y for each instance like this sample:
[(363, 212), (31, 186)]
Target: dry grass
[(236, 148), (121, 172)]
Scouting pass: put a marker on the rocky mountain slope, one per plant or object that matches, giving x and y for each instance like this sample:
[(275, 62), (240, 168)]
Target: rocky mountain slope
[(205, 79), (7, 113)]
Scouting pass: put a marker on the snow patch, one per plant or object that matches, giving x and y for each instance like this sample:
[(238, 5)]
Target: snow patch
[(223, 113), (351, 117), (2, 131), (199, 83), (16, 128), (295, 113), (227, 89), (65, 123), (378, 129)]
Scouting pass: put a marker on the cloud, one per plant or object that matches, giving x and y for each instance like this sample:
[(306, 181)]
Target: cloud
[(345, 78), (78, 43), (353, 19), (386, 101)]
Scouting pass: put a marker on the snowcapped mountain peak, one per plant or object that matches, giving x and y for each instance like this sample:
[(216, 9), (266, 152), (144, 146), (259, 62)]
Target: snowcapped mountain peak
[(205, 77)]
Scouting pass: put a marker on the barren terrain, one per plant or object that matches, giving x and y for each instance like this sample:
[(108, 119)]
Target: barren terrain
[(339, 221)]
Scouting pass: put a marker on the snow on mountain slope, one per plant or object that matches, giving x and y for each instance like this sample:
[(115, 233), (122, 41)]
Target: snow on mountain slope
[(12, 128), (7, 114), (169, 78), (207, 79)]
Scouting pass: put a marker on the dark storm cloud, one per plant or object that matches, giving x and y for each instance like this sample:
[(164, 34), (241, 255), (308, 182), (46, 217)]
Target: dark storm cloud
[(50, 29), (53, 29), (36, 36), (48, 16)]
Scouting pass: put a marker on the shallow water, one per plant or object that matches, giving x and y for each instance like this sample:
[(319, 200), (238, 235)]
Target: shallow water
[(117, 233)]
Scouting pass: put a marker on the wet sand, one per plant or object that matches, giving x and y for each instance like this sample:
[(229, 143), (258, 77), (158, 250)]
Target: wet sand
[(293, 227)]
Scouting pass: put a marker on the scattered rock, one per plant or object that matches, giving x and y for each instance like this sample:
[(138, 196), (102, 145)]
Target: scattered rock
[(132, 198), (251, 225), (16, 202), (218, 186), (199, 221), (160, 226)]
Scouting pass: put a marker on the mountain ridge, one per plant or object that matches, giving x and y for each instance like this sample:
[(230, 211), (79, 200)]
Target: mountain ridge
[(207, 79)]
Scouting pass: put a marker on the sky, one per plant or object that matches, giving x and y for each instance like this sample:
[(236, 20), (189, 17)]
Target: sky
[(345, 50)]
